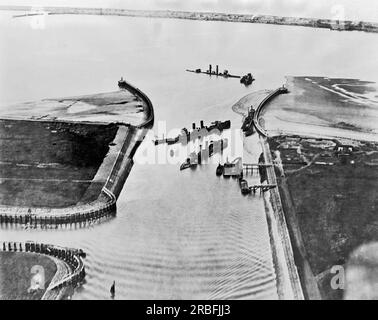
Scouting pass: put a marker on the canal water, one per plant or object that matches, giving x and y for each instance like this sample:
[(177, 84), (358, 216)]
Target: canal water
[(188, 234)]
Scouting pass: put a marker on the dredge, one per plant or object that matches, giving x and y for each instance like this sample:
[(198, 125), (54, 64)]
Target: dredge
[(185, 136)]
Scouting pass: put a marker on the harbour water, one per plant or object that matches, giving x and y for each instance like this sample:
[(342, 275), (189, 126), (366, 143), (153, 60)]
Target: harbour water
[(188, 234)]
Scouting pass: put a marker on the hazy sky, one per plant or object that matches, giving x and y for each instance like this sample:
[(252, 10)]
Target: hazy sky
[(350, 9)]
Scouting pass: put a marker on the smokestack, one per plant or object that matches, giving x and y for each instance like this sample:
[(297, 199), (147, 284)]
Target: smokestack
[(210, 68), (217, 69), (201, 124), (193, 125)]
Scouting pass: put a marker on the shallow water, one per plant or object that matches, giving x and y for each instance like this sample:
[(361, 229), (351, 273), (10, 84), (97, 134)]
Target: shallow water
[(177, 234), (322, 107)]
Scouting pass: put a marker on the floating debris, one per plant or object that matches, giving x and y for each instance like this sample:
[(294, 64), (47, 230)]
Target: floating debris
[(185, 136), (247, 79), (195, 159), (210, 72)]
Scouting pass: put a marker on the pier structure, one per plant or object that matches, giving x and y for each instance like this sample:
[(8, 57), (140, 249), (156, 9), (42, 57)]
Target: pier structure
[(262, 187), (102, 208), (251, 167)]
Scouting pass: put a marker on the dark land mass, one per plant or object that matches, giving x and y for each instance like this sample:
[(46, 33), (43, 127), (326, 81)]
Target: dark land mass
[(340, 25), (15, 275), (46, 163), (69, 156), (333, 192)]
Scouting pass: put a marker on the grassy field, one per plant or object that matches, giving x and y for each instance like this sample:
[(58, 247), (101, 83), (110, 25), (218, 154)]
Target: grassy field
[(51, 164), (334, 198), (15, 274)]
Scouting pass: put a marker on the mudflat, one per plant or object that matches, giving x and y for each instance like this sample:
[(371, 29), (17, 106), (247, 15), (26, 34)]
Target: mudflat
[(51, 164)]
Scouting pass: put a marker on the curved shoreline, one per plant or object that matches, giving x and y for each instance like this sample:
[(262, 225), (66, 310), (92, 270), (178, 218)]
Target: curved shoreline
[(275, 201), (288, 283), (294, 247), (331, 24)]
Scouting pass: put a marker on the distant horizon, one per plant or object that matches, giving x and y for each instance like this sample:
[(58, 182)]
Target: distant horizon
[(366, 10), (341, 18)]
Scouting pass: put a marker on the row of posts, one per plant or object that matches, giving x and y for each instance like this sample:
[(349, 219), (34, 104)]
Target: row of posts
[(72, 257), (90, 216)]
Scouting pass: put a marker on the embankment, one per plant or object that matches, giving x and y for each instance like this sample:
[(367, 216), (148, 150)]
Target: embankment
[(284, 255)]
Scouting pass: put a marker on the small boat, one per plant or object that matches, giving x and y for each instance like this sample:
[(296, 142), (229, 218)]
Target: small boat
[(112, 290), (219, 170)]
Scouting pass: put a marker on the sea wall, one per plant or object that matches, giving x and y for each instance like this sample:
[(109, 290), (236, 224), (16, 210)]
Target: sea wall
[(279, 234), (103, 207)]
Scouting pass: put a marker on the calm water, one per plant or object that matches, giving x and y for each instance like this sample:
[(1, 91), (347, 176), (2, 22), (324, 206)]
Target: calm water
[(177, 234)]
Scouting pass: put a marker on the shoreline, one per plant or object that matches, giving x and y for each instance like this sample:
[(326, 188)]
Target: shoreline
[(282, 223), (339, 25), (287, 278), (302, 278)]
